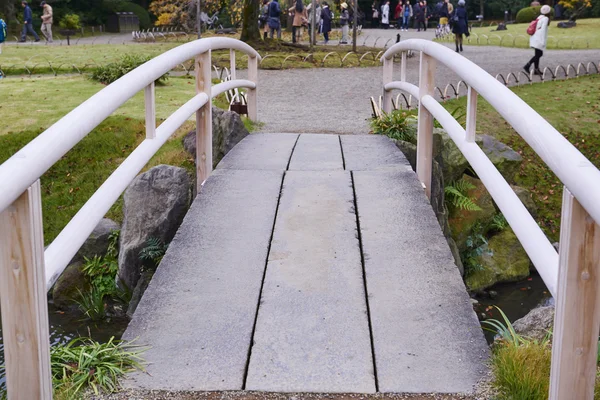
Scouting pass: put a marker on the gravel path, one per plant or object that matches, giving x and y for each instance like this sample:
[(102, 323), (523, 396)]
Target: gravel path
[(333, 100)]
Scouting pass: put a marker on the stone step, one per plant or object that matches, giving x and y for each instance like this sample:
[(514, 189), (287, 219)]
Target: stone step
[(317, 153), (312, 331)]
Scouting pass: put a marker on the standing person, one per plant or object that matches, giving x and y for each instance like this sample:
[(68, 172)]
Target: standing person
[(27, 23), (460, 27), (274, 21), (344, 21), (317, 18), (385, 15), (407, 13), (375, 9), (398, 15), (445, 13), (420, 15), (326, 21), (47, 21), (538, 40), (264, 17), (300, 16), (3, 33), (427, 14)]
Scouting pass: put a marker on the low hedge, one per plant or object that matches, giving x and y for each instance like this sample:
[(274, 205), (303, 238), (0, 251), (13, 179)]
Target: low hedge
[(528, 14)]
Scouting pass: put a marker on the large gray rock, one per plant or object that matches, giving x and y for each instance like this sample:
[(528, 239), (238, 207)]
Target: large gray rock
[(97, 243), (410, 152), (154, 206), (447, 154), (525, 196), (65, 289), (228, 130), (503, 157), (536, 324), (139, 290)]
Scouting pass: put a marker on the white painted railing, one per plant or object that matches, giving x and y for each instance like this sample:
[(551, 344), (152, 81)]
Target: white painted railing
[(26, 270), (573, 275)]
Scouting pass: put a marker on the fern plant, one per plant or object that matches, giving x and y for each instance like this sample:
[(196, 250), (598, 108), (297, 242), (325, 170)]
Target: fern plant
[(457, 196), (153, 252), (499, 223), (475, 248)]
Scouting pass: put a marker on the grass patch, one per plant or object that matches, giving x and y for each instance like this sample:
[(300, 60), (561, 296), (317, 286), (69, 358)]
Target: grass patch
[(586, 33), (573, 108)]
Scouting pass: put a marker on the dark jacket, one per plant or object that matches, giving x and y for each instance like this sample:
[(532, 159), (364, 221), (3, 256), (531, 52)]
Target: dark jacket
[(344, 17), (326, 19), (27, 17), (444, 10), (274, 14), (460, 26), (419, 12)]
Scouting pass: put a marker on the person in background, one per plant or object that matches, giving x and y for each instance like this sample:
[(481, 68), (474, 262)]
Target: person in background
[(385, 15), (264, 17), (317, 17), (407, 13), (273, 21), (420, 15), (326, 21), (538, 40), (398, 15), (300, 17), (47, 21), (460, 26), (344, 21), (27, 23), (428, 14), (445, 12), (375, 20)]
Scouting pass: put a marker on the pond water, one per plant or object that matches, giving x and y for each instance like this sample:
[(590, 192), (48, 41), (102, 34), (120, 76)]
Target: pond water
[(65, 326), (515, 299)]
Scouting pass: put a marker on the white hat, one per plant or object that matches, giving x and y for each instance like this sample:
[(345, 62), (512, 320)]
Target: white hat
[(344, 5), (545, 9), (461, 2)]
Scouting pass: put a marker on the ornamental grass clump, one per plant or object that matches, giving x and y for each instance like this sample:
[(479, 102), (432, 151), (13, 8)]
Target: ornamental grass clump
[(398, 124)]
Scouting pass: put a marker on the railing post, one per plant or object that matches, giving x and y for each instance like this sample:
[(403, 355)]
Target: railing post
[(425, 124), (252, 99), (203, 120), (23, 298), (471, 114), (577, 319), (150, 111), (403, 67), (232, 64), (388, 70)]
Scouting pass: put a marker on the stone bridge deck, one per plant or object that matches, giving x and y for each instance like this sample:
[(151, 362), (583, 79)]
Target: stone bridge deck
[(309, 263)]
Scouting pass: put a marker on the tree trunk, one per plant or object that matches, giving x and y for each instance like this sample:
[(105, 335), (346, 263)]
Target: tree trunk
[(250, 13)]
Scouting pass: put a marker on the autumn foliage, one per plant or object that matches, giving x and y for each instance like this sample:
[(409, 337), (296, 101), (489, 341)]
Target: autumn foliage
[(182, 13)]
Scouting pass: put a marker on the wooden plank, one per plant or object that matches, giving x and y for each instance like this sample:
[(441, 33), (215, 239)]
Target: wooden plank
[(150, 111), (232, 70), (252, 99), (425, 124), (23, 298), (577, 320), (203, 120), (388, 70), (471, 114), (403, 67)]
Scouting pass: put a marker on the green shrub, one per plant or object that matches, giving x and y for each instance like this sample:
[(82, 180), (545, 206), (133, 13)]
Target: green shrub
[(70, 21), (109, 73), (457, 196), (528, 14), (127, 6), (399, 125)]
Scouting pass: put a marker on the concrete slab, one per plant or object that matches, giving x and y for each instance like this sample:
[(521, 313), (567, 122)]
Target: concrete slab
[(198, 313), (370, 152), (312, 332), (261, 151), (426, 335), (315, 152)]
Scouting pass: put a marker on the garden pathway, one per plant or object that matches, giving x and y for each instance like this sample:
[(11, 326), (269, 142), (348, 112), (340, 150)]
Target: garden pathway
[(336, 100)]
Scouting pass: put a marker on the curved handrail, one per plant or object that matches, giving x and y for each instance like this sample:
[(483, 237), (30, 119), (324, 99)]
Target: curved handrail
[(32, 161), (577, 173)]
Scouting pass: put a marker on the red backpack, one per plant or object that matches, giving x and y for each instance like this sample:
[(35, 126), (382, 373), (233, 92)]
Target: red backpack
[(532, 27)]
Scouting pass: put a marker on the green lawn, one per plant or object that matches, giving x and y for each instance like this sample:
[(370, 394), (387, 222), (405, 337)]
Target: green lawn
[(573, 108), (585, 35), (32, 105)]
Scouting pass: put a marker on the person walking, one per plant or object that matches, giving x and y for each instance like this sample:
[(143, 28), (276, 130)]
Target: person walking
[(326, 21), (538, 40), (420, 12), (264, 18), (47, 21), (398, 15), (274, 16), (460, 27), (27, 23), (407, 13), (300, 17), (344, 21), (385, 15), (375, 20)]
